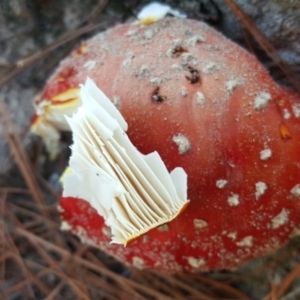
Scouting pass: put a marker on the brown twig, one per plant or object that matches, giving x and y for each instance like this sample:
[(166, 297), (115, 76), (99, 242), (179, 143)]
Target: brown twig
[(284, 286), (195, 293), (265, 44), (11, 135), (27, 62), (222, 286), (54, 293), (52, 247)]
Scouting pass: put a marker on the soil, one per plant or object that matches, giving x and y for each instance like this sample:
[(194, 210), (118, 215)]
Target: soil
[(28, 26)]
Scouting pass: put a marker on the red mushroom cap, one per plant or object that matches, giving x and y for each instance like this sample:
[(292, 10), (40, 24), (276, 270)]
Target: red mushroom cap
[(208, 106)]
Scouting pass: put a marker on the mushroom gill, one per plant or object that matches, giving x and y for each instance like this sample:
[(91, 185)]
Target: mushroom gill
[(133, 192)]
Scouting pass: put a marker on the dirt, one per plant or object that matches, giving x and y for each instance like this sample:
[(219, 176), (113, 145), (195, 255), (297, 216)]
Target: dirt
[(27, 26)]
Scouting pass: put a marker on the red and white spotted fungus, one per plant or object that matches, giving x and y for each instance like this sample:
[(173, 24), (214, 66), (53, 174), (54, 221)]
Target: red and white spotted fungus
[(204, 105)]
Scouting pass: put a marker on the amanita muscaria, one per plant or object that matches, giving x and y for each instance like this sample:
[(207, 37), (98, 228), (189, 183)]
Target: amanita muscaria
[(206, 106)]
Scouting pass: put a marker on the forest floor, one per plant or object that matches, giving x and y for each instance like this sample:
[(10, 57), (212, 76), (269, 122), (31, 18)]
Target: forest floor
[(37, 259)]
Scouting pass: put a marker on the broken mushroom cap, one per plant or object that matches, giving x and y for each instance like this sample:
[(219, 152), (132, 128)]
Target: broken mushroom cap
[(134, 193), (56, 101), (209, 107)]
